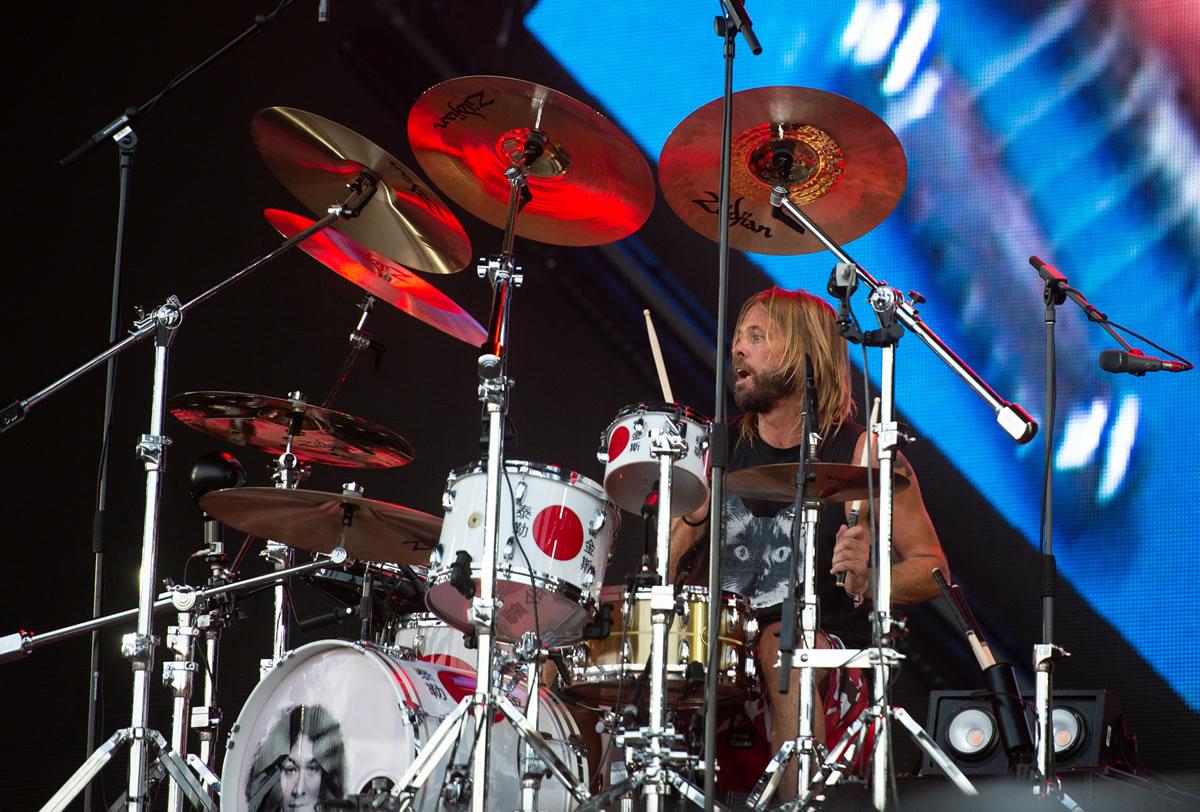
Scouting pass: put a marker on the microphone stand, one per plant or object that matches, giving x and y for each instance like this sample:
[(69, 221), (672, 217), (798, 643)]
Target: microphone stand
[(727, 27), (120, 130)]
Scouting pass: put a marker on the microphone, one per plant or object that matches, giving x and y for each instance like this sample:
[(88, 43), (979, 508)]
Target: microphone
[(1137, 364)]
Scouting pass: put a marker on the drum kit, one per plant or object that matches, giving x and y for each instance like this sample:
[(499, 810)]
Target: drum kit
[(443, 695)]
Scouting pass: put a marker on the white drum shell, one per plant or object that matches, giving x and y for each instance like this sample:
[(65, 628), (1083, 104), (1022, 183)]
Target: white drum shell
[(387, 708), (564, 529), (427, 638), (632, 469)]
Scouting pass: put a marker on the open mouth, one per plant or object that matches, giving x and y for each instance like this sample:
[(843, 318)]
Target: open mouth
[(741, 373)]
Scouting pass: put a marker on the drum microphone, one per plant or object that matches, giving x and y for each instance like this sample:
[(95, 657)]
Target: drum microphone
[(460, 574), (1137, 364), (332, 616)]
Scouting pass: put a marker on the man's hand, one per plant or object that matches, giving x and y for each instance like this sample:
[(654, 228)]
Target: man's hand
[(852, 555)]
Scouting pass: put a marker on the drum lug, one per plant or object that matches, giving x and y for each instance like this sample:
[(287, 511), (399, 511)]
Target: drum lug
[(598, 520), (448, 500), (435, 557), (519, 492)]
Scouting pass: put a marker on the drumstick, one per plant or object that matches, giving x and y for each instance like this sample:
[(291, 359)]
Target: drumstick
[(658, 359), (863, 460)]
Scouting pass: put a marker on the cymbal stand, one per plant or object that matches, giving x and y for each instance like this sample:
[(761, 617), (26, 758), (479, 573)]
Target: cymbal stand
[(178, 675), (505, 275), (206, 719), (892, 310), (657, 749), (162, 323), (287, 472)]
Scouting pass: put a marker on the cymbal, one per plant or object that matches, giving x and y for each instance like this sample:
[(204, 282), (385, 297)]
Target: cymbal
[(314, 158), (590, 184), (835, 482), (379, 276), (847, 172), (326, 437), (314, 520)]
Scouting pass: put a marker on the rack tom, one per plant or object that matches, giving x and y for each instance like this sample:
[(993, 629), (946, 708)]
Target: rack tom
[(631, 468), (556, 531)]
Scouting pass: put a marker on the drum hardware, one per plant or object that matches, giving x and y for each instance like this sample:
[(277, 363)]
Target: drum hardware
[(656, 752), (162, 323), (121, 131), (22, 643), (532, 139), (215, 470), (505, 276), (894, 313)]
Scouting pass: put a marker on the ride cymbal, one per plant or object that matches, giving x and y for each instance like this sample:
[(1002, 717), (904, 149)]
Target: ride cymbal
[(590, 185), (315, 520), (379, 276), (314, 158), (840, 162), (834, 482), (325, 437)]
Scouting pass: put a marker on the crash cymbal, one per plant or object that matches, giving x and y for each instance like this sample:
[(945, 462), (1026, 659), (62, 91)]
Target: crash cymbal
[(326, 437), (590, 184), (405, 220), (381, 277), (314, 520), (847, 168), (835, 482)]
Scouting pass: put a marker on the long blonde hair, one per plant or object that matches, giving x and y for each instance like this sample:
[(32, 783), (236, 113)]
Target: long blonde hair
[(807, 325)]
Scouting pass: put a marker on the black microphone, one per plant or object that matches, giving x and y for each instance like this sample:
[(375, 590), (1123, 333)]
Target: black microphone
[(1137, 364)]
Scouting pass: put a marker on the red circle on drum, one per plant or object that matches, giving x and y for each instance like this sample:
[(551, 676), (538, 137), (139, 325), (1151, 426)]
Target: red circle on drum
[(617, 443), (558, 533)]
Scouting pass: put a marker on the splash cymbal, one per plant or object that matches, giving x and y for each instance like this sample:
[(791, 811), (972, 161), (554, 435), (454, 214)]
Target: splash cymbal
[(379, 276), (834, 482), (314, 158), (590, 183), (326, 437), (315, 520), (840, 162)]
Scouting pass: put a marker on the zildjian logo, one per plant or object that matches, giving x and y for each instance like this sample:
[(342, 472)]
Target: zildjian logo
[(470, 106), (737, 217)]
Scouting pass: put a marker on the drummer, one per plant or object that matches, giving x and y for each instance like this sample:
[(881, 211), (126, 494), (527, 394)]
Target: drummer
[(775, 330)]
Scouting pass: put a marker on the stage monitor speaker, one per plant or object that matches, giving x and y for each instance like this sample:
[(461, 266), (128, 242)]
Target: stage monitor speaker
[(1088, 731)]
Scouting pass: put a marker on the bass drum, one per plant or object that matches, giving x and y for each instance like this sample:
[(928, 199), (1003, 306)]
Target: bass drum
[(337, 721)]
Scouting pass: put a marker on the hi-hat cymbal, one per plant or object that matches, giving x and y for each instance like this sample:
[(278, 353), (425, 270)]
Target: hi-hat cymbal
[(381, 277), (405, 219), (847, 168), (834, 482), (315, 520), (326, 437), (589, 182)]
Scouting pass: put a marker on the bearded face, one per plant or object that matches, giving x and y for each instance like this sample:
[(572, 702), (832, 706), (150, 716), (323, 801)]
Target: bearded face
[(756, 391)]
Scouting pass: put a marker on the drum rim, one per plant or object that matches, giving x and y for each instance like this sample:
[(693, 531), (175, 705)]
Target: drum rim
[(565, 588), (544, 470), (660, 406)]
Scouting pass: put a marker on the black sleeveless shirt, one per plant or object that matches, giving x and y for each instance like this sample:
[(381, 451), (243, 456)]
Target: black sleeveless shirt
[(756, 539)]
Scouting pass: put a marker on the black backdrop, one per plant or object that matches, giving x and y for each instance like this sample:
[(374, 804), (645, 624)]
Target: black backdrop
[(195, 217)]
